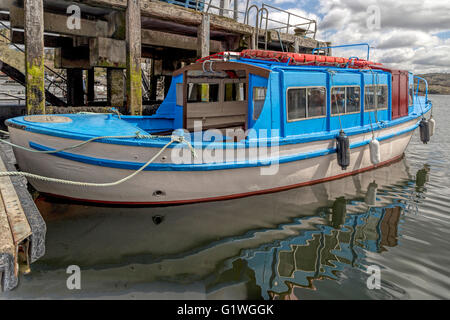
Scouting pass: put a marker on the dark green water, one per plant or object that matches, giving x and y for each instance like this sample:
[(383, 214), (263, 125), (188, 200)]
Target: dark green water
[(309, 243)]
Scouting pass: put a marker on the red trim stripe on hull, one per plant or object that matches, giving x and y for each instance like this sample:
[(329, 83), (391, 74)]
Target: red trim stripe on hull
[(238, 195)]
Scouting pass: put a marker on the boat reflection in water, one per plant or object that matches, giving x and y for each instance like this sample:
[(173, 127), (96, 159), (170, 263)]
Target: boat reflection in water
[(260, 247)]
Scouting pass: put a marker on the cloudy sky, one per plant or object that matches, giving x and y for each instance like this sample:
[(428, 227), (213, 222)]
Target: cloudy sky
[(411, 34)]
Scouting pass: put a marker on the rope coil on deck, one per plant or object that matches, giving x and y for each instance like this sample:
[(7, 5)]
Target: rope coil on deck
[(173, 139)]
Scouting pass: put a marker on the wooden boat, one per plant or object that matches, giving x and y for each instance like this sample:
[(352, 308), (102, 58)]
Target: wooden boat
[(259, 121)]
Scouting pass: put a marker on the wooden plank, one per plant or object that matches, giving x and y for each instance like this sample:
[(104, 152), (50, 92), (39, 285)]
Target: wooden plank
[(172, 40), (133, 36), (8, 253), (6, 239), (20, 228), (169, 12), (58, 23), (221, 66), (34, 218), (50, 41), (203, 37), (34, 56)]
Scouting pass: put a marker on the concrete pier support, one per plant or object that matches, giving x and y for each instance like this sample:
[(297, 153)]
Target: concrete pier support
[(34, 56), (203, 37), (75, 88), (115, 87), (133, 44)]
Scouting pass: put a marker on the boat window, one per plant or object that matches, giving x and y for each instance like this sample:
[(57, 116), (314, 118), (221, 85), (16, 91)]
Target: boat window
[(316, 102), (369, 99), (337, 100), (203, 92), (411, 95), (345, 99), (259, 97), (306, 103), (353, 99), (382, 97), (234, 91), (376, 96)]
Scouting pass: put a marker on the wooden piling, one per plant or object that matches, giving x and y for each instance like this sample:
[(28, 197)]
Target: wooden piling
[(115, 86), (203, 37), (34, 56), (133, 40)]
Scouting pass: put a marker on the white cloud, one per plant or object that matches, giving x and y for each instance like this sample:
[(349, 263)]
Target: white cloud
[(405, 38)]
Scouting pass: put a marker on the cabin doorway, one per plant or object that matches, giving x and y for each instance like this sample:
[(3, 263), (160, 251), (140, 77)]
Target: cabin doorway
[(218, 100)]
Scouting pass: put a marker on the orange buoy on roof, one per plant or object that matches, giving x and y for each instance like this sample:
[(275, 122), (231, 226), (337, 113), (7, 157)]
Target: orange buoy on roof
[(294, 58)]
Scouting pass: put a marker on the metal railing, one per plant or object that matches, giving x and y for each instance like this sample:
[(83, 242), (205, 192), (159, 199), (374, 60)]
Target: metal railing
[(287, 23), (345, 46), (12, 97), (305, 26), (50, 75)]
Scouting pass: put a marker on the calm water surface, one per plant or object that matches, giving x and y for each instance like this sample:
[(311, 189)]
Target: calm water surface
[(308, 243)]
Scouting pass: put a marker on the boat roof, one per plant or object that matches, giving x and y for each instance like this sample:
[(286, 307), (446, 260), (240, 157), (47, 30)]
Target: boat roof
[(265, 67)]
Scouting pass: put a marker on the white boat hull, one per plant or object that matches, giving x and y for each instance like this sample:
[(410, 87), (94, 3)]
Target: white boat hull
[(171, 187)]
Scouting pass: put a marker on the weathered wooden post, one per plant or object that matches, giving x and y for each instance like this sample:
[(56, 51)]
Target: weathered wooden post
[(114, 83), (133, 39), (203, 37), (34, 56)]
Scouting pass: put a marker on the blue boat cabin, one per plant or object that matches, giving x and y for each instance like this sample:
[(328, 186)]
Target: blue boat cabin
[(297, 100)]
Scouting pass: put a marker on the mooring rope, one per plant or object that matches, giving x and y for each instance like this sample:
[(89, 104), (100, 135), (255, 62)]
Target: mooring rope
[(173, 139), (137, 135)]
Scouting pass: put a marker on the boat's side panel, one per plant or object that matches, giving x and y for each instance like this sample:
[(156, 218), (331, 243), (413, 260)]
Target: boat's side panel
[(191, 186), (139, 155)]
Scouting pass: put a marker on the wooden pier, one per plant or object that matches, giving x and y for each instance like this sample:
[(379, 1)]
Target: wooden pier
[(118, 34), (22, 229)]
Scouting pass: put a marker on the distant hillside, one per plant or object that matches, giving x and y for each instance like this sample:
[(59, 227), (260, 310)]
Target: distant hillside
[(438, 83)]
